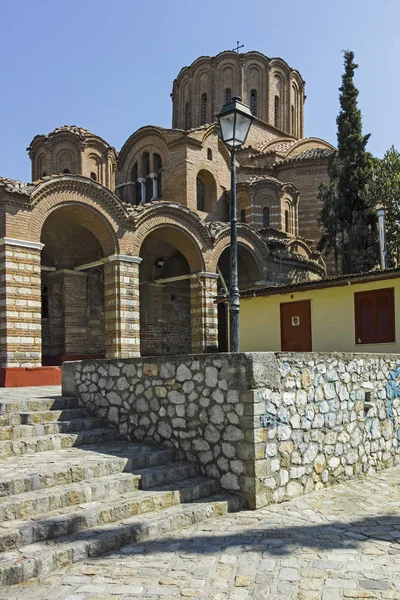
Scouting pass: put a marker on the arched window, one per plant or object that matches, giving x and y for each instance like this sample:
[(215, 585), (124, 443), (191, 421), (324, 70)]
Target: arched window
[(243, 216), (187, 122), (134, 172), (204, 109), (209, 153), (287, 221), (93, 176), (228, 95), (253, 102), (157, 165), (145, 164), (44, 174), (277, 109), (265, 216), (65, 162), (200, 193), (149, 189)]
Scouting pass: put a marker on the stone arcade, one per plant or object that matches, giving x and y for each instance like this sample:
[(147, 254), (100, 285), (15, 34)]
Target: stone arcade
[(116, 255)]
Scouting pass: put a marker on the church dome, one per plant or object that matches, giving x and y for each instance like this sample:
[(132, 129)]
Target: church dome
[(70, 149), (273, 90)]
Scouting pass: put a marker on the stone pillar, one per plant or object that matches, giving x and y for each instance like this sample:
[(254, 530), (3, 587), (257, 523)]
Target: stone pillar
[(153, 176), (122, 307), (20, 303), (203, 291), (142, 182)]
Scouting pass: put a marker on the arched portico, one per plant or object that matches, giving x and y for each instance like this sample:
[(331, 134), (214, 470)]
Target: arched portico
[(177, 310)]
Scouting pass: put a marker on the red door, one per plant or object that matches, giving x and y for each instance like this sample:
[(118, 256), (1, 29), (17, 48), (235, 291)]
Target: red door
[(296, 326)]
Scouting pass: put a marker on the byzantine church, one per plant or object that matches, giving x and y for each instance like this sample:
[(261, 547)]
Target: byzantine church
[(121, 254)]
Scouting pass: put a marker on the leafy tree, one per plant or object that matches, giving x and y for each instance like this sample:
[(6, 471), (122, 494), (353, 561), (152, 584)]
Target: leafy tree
[(348, 215), (385, 190)]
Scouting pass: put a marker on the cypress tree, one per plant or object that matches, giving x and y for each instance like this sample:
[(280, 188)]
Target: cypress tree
[(348, 215)]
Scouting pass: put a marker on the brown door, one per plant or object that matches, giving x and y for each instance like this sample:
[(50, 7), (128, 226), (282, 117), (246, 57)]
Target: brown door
[(296, 326)]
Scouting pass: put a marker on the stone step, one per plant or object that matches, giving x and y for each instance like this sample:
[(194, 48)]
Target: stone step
[(33, 404), (37, 502), (47, 416), (15, 534), (55, 442), (28, 431), (43, 470), (31, 504), (42, 558), (43, 416)]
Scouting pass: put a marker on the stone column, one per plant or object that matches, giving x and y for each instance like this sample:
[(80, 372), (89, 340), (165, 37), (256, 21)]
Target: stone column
[(122, 310), (153, 176), (142, 182), (20, 303), (203, 291)]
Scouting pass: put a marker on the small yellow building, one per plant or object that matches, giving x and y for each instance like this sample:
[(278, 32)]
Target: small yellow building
[(352, 313)]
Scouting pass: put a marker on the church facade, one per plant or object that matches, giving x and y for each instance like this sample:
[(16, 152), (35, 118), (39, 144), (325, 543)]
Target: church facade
[(118, 254)]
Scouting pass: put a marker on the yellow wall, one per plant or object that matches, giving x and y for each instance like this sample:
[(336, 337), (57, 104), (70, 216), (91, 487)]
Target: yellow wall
[(332, 319)]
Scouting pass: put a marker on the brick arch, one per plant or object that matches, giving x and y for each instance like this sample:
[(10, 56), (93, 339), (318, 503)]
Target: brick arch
[(89, 212), (246, 239), (176, 234)]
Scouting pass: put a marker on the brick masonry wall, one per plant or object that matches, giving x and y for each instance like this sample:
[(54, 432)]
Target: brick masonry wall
[(20, 306), (269, 426)]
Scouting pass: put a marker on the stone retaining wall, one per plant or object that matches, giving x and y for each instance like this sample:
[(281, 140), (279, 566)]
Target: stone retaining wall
[(269, 426)]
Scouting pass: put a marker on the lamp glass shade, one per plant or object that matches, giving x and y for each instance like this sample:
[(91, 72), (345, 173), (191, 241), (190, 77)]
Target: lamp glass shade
[(235, 119)]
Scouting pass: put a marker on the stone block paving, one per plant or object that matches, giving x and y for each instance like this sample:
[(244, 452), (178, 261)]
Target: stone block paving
[(340, 543)]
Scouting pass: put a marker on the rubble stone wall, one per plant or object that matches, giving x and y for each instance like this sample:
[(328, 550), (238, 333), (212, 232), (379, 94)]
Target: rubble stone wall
[(269, 426)]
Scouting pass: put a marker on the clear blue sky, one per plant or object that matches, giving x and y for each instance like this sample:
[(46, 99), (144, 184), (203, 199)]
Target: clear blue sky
[(108, 65)]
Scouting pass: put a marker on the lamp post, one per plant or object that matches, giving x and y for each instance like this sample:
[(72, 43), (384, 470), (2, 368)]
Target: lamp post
[(234, 119), (381, 214)]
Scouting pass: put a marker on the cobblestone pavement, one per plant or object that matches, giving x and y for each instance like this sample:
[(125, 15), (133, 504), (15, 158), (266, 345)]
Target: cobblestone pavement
[(335, 544)]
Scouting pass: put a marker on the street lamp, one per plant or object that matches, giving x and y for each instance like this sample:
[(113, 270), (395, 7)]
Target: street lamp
[(381, 214), (234, 119)]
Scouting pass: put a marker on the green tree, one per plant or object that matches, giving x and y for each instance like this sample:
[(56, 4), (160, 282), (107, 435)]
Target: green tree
[(385, 190), (348, 216)]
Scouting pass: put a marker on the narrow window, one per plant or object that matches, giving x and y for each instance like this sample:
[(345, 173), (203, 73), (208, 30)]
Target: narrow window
[(134, 172), (93, 176), (66, 171), (149, 189), (243, 216), (374, 316), (187, 122), (157, 166), (204, 109), (228, 95), (145, 164), (253, 102), (209, 153), (133, 187), (293, 123), (200, 194), (277, 116), (138, 194), (43, 174), (287, 221), (265, 216)]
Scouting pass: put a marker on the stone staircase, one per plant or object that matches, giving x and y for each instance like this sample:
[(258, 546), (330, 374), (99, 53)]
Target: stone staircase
[(70, 489)]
